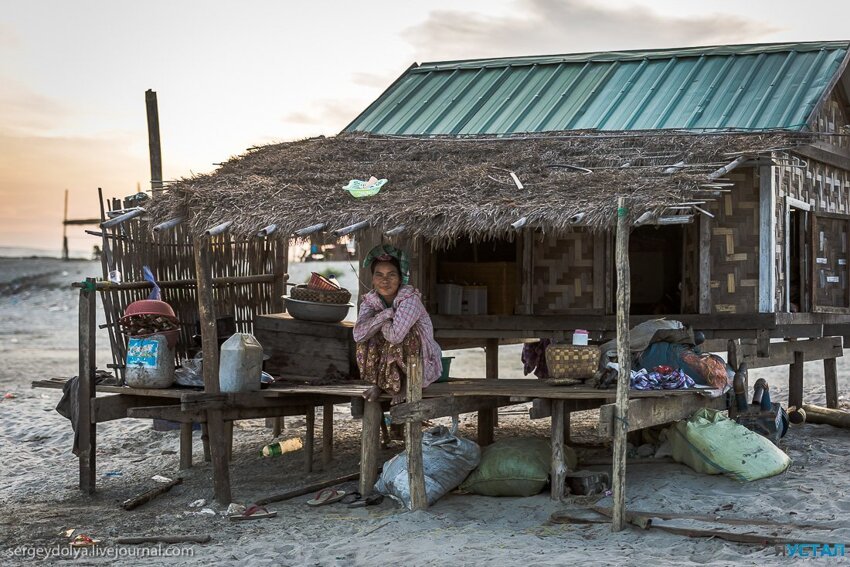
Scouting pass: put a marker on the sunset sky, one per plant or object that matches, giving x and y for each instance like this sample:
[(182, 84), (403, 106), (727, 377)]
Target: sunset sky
[(230, 75)]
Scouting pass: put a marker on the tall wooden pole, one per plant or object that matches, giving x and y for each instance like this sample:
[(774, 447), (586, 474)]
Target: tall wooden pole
[(153, 142), (209, 340), (65, 255), (86, 428), (413, 437), (625, 362)]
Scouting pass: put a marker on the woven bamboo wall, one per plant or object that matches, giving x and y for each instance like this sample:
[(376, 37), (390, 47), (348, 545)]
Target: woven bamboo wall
[(563, 273), (170, 255), (832, 118), (690, 268), (735, 246)]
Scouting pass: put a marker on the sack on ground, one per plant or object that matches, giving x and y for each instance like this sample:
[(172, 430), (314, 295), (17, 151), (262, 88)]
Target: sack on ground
[(711, 443), (447, 460), (514, 467)]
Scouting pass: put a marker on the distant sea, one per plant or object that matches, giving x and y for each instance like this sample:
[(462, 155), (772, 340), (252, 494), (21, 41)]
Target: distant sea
[(21, 252)]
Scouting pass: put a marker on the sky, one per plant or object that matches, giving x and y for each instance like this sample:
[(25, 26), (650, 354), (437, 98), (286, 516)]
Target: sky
[(230, 75)]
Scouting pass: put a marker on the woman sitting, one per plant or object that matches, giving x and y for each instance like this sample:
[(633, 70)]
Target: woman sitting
[(392, 324)]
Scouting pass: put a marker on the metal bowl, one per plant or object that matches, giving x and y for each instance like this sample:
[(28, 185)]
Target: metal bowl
[(313, 311)]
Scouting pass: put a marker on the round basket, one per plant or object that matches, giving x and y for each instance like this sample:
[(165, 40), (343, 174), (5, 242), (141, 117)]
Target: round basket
[(304, 293)]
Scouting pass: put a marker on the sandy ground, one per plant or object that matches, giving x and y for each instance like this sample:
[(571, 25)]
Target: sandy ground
[(40, 500)]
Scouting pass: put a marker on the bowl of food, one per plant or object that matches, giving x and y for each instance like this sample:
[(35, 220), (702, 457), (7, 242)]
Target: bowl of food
[(316, 311)]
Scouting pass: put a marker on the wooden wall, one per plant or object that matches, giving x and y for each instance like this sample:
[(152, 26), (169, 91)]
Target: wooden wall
[(734, 255)]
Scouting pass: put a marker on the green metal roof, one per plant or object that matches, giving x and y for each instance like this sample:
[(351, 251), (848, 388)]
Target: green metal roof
[(755, 87)]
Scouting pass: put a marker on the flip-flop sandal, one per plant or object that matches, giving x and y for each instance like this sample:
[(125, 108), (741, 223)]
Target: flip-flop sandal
[(371, 500), (253, 512), (326, 496), (83, 540), (351, 497)]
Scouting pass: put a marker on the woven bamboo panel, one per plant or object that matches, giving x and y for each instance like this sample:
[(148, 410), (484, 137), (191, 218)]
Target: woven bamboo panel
[(563, 273), (690, 284), (832, 118), (830, 251), (735, 247)]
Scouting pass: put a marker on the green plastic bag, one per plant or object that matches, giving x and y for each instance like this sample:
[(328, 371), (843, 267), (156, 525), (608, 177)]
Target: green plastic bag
[(514, 467), (711, 443)]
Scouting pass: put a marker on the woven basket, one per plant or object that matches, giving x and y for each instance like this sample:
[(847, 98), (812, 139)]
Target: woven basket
[(318, 281), (571, 362), (304, 293)]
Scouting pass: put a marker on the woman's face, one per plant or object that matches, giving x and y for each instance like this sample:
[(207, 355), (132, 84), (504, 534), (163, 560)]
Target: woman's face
[(386, 279)]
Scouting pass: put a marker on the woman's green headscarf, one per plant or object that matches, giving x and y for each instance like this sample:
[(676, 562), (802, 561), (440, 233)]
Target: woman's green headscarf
[(383, 252)]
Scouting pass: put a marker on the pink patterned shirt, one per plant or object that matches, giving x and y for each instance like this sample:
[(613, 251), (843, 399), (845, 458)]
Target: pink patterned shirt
[(406, 313)]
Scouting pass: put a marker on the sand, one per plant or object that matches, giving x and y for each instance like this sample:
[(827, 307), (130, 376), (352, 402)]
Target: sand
[(40, 499)]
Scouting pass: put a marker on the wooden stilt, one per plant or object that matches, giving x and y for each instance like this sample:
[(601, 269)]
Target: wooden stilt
[(277, 426), (86, 430), (830, 379), (327, 435), (228, 437), (624, 360), (205, 441), (209, 340), (413, 438), (559, 465), (567, 427), (309, 437), (487, 418), (186, 445), (795, 380), (370, 446)]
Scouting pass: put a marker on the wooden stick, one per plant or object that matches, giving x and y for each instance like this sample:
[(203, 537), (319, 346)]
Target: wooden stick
[(86, 429), (350, 228), (834, 417), (164, 539), (309, 437), (308, 230), (624, 360), (290, 494), (182, 283), (795, 380), (413, 437), (487, 416), (146, 497), (153, 142), (830, 379), (714, 518)]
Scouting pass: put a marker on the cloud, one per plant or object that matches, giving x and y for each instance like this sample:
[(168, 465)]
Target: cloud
[(327, 115), (568, 26)]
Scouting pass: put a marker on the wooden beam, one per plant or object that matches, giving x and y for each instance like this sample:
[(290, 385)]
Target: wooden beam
[(487, 417), (559, 466), (795, 380), (624, 360), (370, 446), (767, 241), (186, 446), (648, 412), (830, 378), (350, 228), (431, 408), (327, 435), (209, 341), (824, 153), (86, 428), (154, 149), (308, 230), (109, 408), (782, 353), (413, 438), (309, 438)]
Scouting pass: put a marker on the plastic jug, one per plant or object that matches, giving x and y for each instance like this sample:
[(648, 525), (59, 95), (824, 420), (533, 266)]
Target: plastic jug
[(241, 364), (150, 362)]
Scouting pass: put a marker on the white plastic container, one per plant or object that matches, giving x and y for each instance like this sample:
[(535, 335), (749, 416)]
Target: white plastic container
[(580, 337), (474, 300), (150, 363), (241, 364), (449, 299)]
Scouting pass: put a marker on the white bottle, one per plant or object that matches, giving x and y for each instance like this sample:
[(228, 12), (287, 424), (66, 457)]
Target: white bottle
[(241, 364)]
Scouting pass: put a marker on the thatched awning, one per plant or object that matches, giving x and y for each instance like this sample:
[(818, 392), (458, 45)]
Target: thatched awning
[(442, 188)]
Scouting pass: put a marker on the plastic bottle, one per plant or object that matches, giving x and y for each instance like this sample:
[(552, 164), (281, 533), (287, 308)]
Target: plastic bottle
[(241, 364), (272, 450)]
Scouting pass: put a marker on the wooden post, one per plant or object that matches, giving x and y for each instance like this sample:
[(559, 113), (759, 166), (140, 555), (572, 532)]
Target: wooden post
[(625, 362), (413, 437), (309, 437), (65, 255), (205, 441), (86, 429), (209, 342), (153, 142), (186, 445), (559, 466), (830, 379), (487, 418), (327, 435), (370, 445), (795, 380)]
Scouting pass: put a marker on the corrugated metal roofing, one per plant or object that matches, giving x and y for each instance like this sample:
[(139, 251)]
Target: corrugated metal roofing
[(752, 87)]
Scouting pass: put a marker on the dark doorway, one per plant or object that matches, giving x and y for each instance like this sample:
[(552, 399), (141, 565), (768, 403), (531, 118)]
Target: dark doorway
[(655, 260)]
